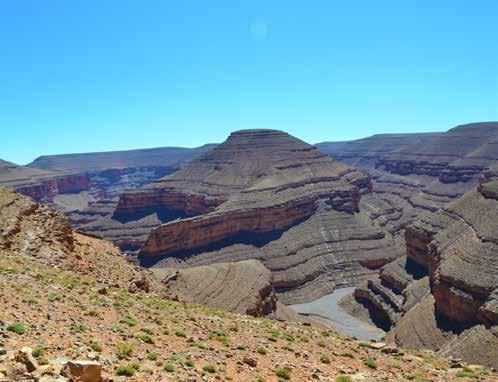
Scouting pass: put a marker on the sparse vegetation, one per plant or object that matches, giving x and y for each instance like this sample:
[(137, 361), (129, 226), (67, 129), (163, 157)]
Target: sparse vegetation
[(169, 368), (38, 352), (152, 356), (126, 370), (17, 328), (343, 378), (209, 369), (124, 350), (261, 350), (371, 363), (96, 346), (283, 373)]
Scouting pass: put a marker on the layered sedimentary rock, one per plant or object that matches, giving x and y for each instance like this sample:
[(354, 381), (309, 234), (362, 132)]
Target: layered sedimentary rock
[(108, 175), (446, 288), (267, 196), (416, 173), (41, 185), (244, 287)]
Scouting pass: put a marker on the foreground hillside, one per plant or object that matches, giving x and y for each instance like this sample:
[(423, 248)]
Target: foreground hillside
[(70, 297)]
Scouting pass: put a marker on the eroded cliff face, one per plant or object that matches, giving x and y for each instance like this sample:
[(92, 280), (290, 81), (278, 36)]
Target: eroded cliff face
[(41, 185), (109, 174), (445, 290), (47, 189), (267, 196), (417, 173)]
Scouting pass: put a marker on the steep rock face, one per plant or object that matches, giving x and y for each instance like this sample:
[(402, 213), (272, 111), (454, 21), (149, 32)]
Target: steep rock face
[(270, 197), (243, 287), (41, 185), (416, 173), (450, 295), (108, 175)]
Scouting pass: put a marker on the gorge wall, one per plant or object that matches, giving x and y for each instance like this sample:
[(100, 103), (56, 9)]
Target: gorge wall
[(86, 187), (416, 173), (443, 294), (264, 195)]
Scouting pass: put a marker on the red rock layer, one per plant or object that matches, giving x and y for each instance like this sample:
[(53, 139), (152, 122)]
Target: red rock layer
[(271, 197)]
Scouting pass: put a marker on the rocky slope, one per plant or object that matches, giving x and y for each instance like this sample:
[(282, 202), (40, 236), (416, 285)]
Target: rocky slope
[(443, 295), (244, 287), (416, 173), (267, 196), (74, 309)]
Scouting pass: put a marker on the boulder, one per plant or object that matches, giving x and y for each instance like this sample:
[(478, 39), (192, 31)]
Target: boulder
[(83, 371)]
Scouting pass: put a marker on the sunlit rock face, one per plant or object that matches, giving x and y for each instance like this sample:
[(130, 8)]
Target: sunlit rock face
[(443, 295), (265, 195), (416, 173)]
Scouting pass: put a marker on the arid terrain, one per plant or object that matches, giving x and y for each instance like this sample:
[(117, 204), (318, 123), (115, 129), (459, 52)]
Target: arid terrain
[(69, 297), (184, 261)]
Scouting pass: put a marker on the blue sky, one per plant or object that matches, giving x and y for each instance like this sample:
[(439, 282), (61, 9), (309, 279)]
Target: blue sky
[(79, 76)]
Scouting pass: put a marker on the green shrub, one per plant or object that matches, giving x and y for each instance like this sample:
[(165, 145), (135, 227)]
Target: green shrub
[(189, 363), (371, 363), (145, 338), (152, 356), (343, 378), (95, 346), (124, 350), (38, 352), (283, 373), (78, 328), (17, 328), (129, 320), (324, 358), (261, 350), (169, 368), (179, 333), (209, 369), (125, 370), (466, 374)]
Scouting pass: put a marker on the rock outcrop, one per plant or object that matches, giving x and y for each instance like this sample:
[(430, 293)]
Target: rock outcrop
[(243, 287), (267, 196), (41, 185), (443, 295), (416, 173), (37, 231), (109, 174)]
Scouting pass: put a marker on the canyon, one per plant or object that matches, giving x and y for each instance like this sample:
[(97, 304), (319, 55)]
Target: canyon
[(265, 220), (416, 173), (437, 194), (74, 309), (86, 187), (265, 195)]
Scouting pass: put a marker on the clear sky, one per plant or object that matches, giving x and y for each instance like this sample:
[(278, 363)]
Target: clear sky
[(94, 75)]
